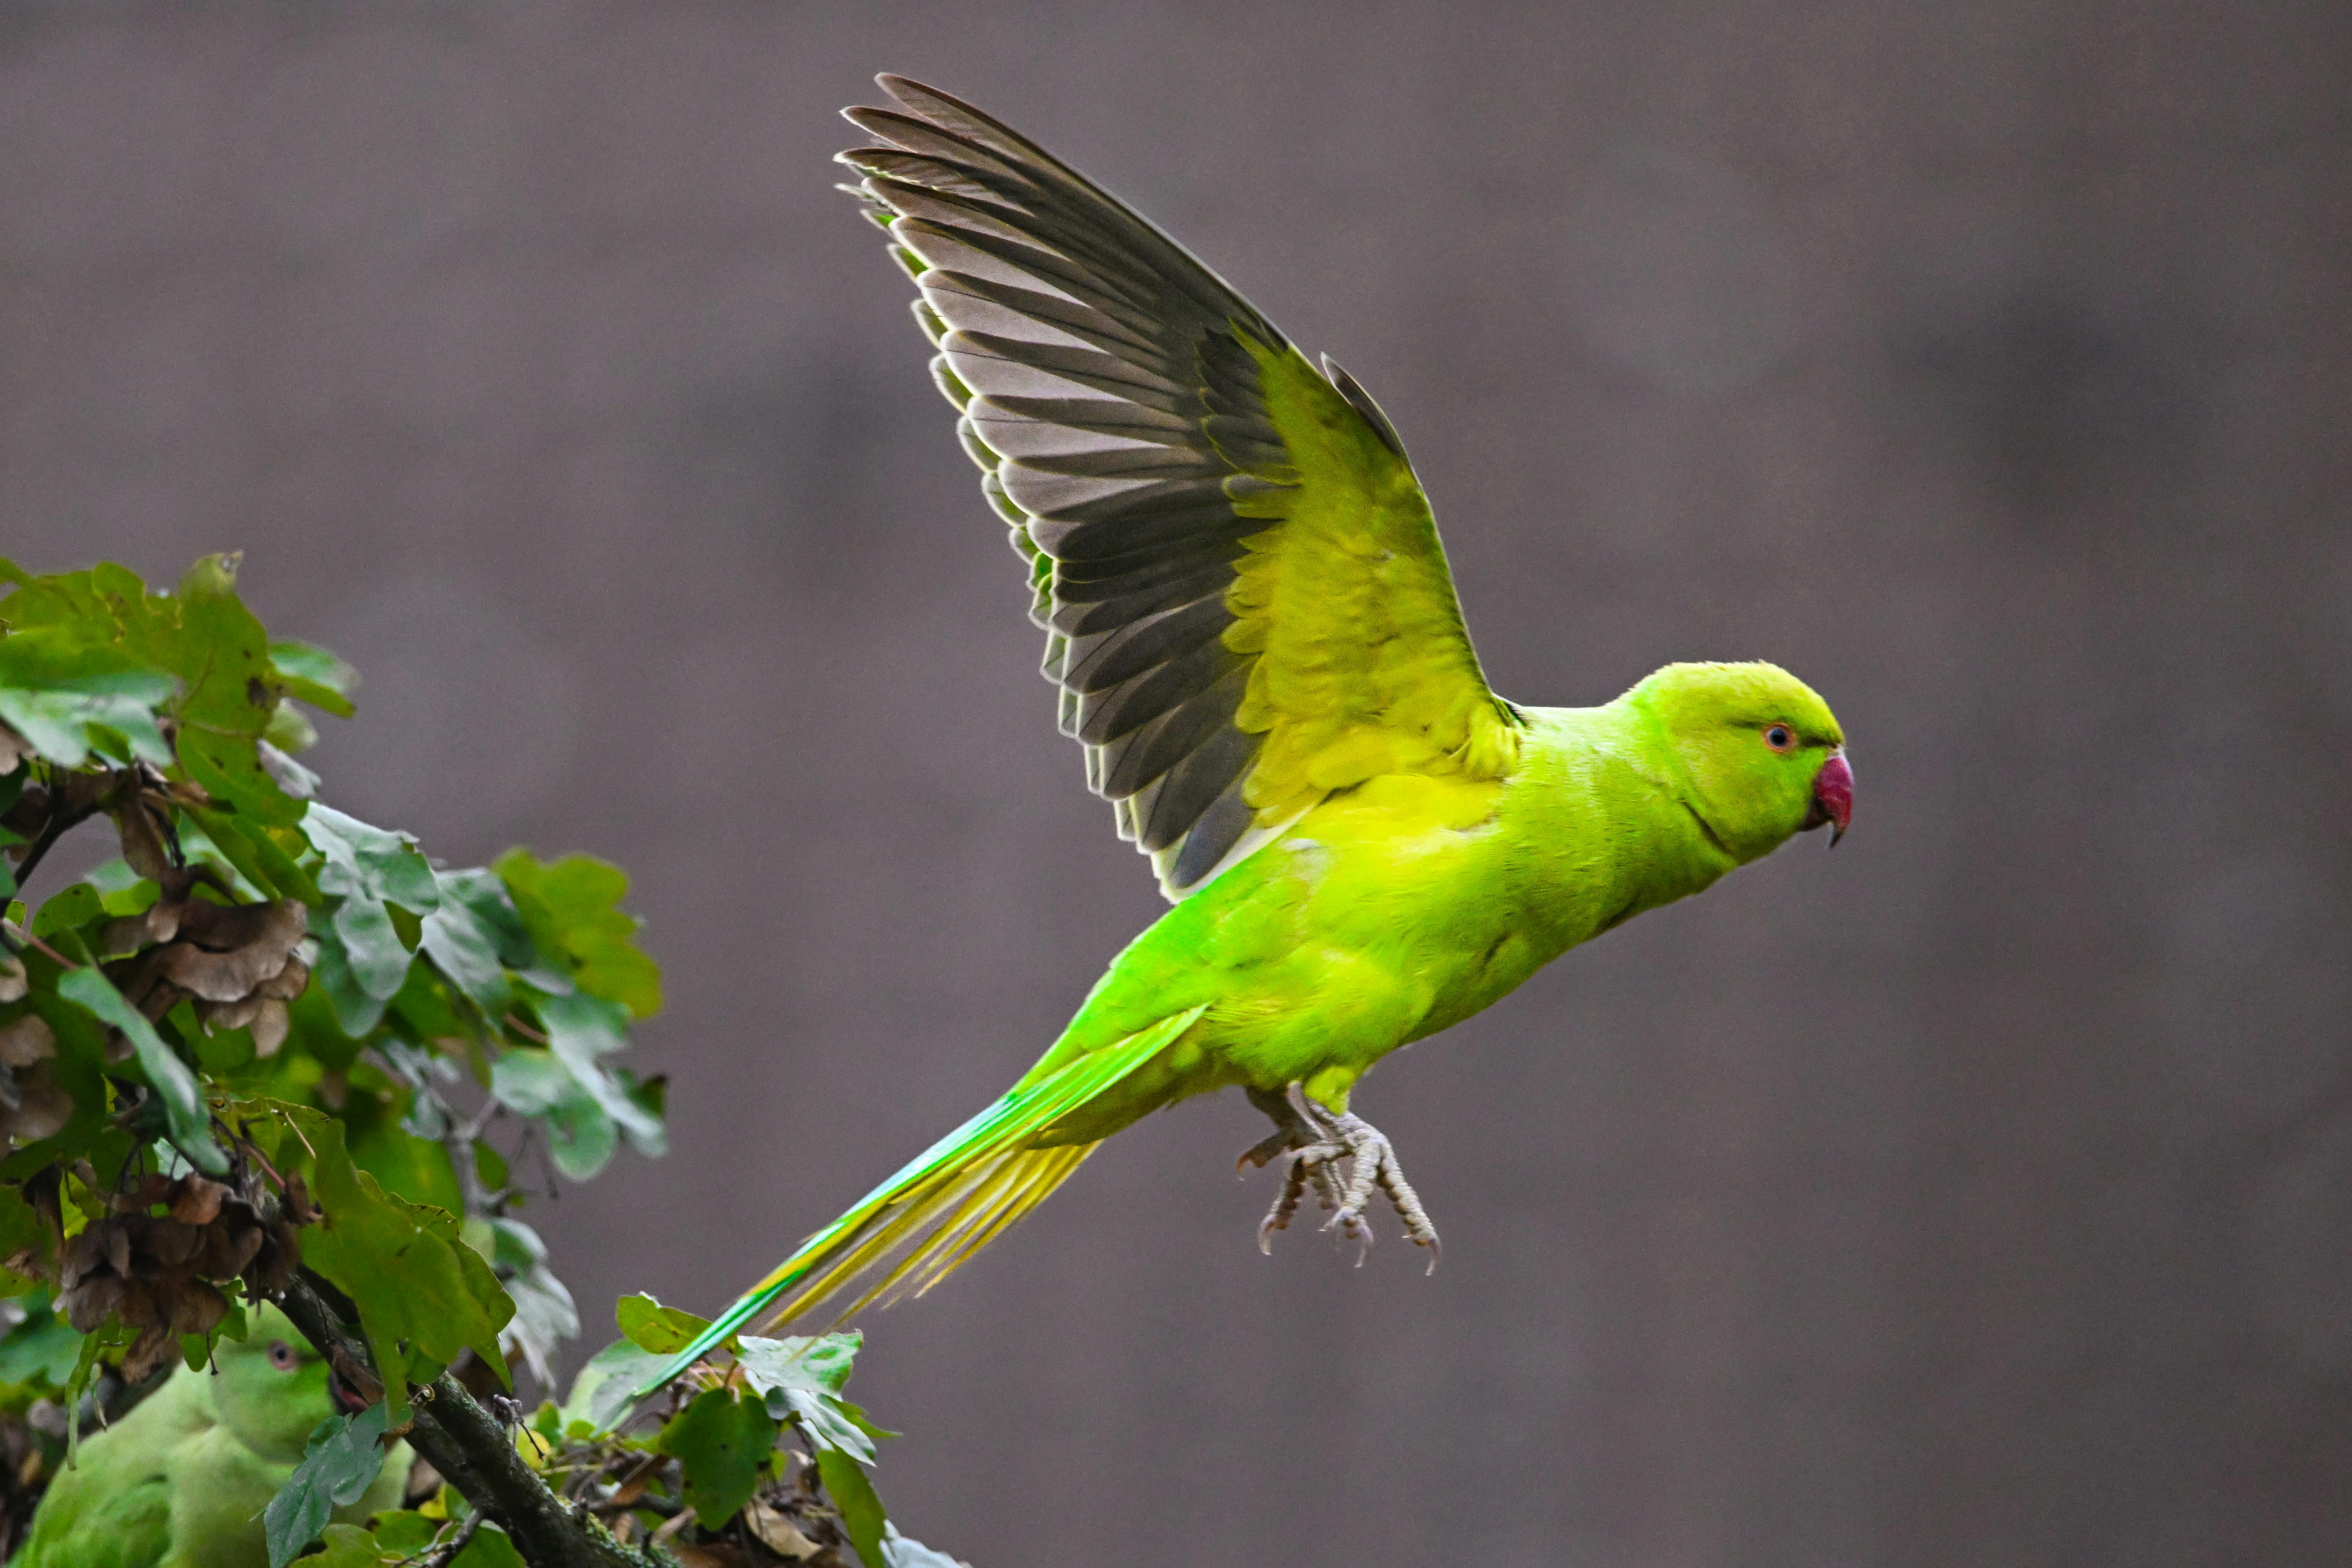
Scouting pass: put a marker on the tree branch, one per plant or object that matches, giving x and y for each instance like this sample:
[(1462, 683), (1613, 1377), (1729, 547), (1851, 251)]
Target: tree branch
[(476, 1455)]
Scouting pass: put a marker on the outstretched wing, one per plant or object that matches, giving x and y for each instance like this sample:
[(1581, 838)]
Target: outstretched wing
[(1246, 602)]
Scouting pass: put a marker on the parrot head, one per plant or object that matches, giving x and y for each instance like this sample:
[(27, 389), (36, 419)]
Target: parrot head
[(1760, 755), (271, 1388)]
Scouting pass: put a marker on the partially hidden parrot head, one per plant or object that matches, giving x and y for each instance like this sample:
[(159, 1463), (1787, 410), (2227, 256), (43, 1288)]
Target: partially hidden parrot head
[(271, 1388), (1761, 756)]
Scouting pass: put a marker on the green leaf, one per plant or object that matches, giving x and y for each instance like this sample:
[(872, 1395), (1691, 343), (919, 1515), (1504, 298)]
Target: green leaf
[(379, 960), (257, 857), (204, 634), (347, 1546), (403, 1265), (404, 1532), (581, 1139), (60, 715), (600, 1394), (292, 734), (568, 906), (340, 1463), (721, 1444), (581, 1029), (403, 1537), (650, 1326), (314, 675), (862, 1518), (184, 1102), (24, 1239), (801, 1379), (371, 862), (229, 767), (821, 1362), (489, 1549), (357, 1010), (545, 1314), (41, 1349), (68, 908), (493, 909), (466, 948)]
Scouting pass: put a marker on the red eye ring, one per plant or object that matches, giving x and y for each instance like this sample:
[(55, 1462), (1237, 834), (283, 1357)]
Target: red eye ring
[(1779, 737), (282, 1355)]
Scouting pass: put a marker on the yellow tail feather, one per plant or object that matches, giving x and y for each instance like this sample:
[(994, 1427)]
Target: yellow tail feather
[(939, 1224)]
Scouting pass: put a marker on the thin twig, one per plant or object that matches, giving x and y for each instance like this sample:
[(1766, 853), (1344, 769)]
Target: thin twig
[(442, 1556)]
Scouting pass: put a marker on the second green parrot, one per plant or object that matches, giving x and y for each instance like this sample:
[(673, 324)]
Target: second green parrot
[(182, 1481), (1255, 637)]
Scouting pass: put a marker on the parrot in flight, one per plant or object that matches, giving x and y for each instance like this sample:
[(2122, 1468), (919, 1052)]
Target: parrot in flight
[(181, 1482), (1254, 638)]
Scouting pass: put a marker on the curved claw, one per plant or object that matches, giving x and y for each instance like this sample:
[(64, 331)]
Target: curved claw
[(1315, 1141)]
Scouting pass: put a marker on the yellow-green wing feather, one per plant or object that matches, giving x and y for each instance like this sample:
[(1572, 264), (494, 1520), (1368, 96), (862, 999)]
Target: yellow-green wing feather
[(1246, 602)]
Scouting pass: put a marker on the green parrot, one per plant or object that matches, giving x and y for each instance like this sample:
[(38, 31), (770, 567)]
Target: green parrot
[(1256, 639), (180, 1481)]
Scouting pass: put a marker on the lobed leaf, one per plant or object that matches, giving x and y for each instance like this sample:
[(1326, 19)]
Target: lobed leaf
[(721, 1443), (650, 1326), (405, 1266), (184, 1104), (862, 1518), (569, 908), (340, 1461)]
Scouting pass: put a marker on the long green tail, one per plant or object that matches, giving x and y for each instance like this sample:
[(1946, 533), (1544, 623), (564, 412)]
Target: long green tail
[(951, 1201)]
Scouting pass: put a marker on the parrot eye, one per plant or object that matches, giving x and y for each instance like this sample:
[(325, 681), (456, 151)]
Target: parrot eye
[(1779, 738), (282, 1355)]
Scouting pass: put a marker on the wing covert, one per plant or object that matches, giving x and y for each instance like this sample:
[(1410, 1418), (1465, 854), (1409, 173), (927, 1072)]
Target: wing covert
[(1245, 602)]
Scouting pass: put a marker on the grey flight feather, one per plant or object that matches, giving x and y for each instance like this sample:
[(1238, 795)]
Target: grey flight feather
[(1107, 390)]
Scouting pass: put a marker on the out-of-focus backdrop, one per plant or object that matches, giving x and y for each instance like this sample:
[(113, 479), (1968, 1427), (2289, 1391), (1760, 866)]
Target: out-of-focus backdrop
[(1980, 1195)]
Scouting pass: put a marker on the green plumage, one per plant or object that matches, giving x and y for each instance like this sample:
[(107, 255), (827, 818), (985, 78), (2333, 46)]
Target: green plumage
[(1257, 642), (181, 1482)]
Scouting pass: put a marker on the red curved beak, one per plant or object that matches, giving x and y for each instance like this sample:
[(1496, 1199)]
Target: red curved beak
[(346, 1397), (1832, 797)]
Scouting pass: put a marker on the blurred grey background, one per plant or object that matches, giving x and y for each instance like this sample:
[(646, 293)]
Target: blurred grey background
[(1979, 1197)]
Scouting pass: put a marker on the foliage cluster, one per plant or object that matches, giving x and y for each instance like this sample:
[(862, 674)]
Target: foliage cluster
[(271, 1047)]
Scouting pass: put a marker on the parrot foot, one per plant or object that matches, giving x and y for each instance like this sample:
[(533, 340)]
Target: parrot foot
[(1315, 1141), (1298, 1127)]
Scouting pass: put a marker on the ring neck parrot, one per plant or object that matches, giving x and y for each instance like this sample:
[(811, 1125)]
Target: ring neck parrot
[(1253, 637), (181, 1482)]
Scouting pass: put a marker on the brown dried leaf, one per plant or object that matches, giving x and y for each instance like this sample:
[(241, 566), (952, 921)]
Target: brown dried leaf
[(42, 1109), (270, 1024), (224, 928), (230, 1015), (230, 1248), (198, 1200), (217, 976), (87, 1304), (191, 1306), (82, 1257), (128, 933), (142, 984), (716, 1554), (148, 1354), (275, 1259), (297, 1205), (166, 1246), (27, 1040), (142, 840), (777, 1533), (225, 952), (287, 983), (152, 1190), (13, 984)]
